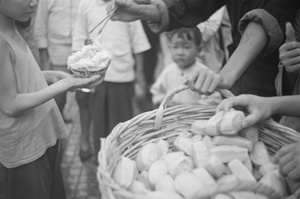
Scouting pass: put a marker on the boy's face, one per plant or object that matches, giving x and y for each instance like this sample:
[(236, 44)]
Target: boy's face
[(183, 51), (20, 10)]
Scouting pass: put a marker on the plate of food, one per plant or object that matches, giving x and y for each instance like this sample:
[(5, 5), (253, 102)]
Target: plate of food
[(91, 60)]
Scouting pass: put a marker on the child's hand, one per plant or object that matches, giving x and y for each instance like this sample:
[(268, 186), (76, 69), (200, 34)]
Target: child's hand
[(59, 75), (256, 107), (289, 52), (75, 82), (288, 158)]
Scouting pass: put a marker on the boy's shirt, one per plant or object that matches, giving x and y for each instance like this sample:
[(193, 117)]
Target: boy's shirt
[(54, 26), (121, 39), (172, 77)]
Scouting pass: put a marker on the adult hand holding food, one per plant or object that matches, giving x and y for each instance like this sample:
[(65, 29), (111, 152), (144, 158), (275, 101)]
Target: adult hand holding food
[(257, 108)]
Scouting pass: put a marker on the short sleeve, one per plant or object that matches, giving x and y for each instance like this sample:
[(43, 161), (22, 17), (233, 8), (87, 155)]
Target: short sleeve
[(270, 26), (139, 38)]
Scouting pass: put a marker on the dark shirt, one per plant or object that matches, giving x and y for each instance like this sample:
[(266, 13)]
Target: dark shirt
[(259, 77)]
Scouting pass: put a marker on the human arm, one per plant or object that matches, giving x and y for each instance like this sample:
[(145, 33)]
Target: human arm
[(166, 14), (253, 42), (44, 58), (13, 103), (129, 11), (139, 44), (41, 33), (53, 76), (261, 108), (251, 45), (140, 84)]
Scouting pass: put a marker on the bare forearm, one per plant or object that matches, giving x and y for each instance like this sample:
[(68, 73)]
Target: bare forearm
[(286, 105), (24, 102), (149, 13), (252, 43)]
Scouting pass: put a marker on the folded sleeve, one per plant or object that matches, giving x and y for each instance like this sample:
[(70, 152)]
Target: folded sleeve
[(183, 13), (270, 26)]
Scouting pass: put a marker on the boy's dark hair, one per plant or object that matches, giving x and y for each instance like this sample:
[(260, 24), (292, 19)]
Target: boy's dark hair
[(186, 33)]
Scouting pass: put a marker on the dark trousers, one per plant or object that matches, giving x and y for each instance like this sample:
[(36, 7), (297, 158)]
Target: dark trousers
[(40, 179), (112, 104)]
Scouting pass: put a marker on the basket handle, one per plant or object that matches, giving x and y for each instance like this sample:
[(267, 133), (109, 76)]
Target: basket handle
[(159, 115)]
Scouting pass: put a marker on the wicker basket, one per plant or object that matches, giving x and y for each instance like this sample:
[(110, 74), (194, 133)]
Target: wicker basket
[(165, 123)]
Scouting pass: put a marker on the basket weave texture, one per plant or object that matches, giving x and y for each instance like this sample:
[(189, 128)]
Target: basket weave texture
[(166, 123)]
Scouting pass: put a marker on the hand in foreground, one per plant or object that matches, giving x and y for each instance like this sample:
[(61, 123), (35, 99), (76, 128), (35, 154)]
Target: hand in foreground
[(289, 52), (204, 81), (127, 10), (288, 158), (76, 82), (256, 108), (58, 75)]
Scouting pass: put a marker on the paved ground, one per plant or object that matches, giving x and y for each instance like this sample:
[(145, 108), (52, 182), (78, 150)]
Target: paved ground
[(80, 178)]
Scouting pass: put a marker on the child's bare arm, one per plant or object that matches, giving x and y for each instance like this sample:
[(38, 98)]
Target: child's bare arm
[(52, 76), (13, 103)]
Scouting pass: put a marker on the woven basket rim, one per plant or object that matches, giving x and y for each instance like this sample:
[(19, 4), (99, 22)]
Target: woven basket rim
[(165, 123), (121, 142)]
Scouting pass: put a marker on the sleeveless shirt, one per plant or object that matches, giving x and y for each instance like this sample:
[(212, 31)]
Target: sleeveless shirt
[(26, 137)]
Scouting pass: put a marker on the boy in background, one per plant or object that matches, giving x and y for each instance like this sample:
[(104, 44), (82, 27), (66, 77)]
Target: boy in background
[(54, 26), (112, 102), (185, 45)]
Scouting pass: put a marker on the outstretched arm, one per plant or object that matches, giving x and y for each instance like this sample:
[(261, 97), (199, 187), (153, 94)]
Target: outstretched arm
[(251, 45), (13, 103), (261, 108)]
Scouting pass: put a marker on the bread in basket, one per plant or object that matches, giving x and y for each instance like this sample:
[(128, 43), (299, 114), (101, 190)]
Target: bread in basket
[(167, 123)]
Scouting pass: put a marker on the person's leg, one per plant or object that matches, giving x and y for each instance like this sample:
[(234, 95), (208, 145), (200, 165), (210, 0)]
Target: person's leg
[(120, 96), (39, 179), (83, 101), (100, 112)]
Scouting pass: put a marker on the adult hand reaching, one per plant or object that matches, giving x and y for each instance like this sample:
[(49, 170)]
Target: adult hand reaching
[(289, 52), (204, 81), (256, 108), (131, 10)]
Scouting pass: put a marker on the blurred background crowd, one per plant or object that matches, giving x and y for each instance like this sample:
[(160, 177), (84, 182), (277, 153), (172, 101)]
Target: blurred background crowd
[(60, 28)]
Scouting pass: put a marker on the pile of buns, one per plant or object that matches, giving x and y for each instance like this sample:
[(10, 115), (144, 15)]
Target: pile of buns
[(215, 155)]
